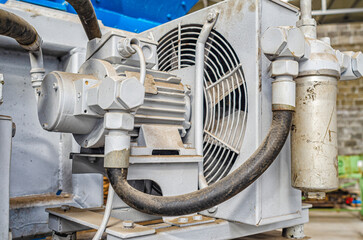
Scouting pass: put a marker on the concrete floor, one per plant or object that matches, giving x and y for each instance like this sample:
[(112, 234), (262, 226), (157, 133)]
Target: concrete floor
[(325, 225)]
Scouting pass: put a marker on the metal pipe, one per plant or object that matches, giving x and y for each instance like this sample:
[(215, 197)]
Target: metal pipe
[(307, 24), (337, 11), (15, 27), (25, 34), (87, 15), (199, 87), (107, 214), (37, 71), (216, 193), (323, 5), (142, 62), (305, 8), (5, 156)]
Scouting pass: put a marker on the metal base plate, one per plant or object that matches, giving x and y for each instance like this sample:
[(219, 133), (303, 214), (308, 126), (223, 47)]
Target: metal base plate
[(92, 219)]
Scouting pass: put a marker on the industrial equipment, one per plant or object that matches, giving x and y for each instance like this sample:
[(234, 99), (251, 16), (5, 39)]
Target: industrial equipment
[(189, 120)]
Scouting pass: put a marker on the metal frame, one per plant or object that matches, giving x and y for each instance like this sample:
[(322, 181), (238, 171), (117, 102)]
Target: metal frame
[(72, 220), (325, 11), (5, 156)]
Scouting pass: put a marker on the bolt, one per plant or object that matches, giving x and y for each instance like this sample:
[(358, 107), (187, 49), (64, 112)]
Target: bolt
[(65, 208), (212, 210), (198, 217), (183, 220), (357, 64), (55, 86), (128, 224), (211, 16)]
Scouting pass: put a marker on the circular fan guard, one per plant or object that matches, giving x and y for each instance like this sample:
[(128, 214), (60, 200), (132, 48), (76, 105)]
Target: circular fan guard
[(225, 94)]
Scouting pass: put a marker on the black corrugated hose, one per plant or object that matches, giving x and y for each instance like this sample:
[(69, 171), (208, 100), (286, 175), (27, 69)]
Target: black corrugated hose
[(87, 15), (15, 27), (216, 193)]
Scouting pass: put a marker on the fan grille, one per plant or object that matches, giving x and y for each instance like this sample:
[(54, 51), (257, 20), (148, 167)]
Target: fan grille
[(225, 94)]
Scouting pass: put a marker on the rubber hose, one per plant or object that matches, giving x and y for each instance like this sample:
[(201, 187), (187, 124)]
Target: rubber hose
[(87, 15), (15, 27), (216, 193)]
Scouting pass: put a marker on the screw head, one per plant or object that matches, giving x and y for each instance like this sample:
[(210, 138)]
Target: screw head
[(128, 224), (197, 217), (183, 220), (55, 86)]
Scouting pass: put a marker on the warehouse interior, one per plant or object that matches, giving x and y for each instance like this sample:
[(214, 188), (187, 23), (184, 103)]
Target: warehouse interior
[(181, 119)]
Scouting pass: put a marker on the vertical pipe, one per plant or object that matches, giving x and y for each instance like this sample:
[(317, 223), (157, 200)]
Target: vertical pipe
[(199, 87), (5, 155), (305, 7), (323, 5), (307, 24)]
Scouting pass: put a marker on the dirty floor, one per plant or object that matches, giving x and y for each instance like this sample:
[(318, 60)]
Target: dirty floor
[(325, 225)]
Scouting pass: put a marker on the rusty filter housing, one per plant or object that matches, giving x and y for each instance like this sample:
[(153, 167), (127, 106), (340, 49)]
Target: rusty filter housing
[(314, 135), (314, 131)]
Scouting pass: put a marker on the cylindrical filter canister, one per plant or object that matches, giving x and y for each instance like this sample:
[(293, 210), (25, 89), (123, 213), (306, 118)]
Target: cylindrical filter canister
[(314, 135)]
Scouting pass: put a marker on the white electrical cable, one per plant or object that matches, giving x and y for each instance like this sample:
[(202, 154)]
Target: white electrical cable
[(142, 62), (106, 215)]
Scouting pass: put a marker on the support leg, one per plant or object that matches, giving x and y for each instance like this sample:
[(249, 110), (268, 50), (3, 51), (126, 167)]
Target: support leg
[(294, 232), (63, 236)]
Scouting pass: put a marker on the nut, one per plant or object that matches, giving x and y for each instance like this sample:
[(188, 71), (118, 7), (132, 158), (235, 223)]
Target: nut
[(357, 64), (306, 22), (131, 93), (284, 68), (118, 121), (183, 220), (128, 224), (197, 217), (283, 42), (107, 94), (343, 59)]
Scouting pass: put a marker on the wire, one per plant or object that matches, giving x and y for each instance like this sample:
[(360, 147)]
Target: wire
[(106, 215), (142, 62)]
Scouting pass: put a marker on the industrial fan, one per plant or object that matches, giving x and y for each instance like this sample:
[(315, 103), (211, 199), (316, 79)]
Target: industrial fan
[(225, 100)]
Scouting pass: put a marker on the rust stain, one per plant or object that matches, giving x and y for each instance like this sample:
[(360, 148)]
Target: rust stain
[(252, 7), (239, 6), (36, 200)]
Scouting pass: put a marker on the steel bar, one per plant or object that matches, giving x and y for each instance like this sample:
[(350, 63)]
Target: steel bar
[(337, 11), (5, 155)]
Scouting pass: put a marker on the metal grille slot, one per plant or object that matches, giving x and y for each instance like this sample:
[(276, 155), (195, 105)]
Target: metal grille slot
[(225, 94)]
